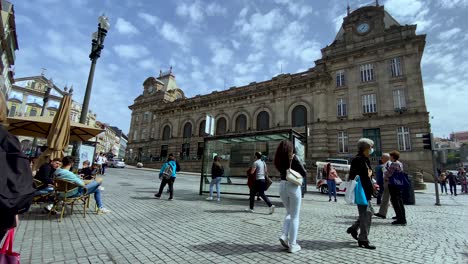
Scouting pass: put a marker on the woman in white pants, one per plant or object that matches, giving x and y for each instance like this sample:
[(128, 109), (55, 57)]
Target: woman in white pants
[(290, 194)]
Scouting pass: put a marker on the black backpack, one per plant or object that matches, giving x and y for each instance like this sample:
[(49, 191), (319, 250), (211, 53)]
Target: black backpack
[(16, 181)]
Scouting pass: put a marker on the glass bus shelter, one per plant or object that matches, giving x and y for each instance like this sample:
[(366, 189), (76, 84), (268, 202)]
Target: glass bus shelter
[(237, 155)]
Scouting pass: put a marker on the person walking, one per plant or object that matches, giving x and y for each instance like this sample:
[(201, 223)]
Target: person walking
[(217, 172), (452, 183), (360, 166), (104, 163), (99, 161), (385, 201), (396, 196), (169, 168), (330, 174), (443, 183), (290, 194), (380, 180), (462, 178), (259, 168)]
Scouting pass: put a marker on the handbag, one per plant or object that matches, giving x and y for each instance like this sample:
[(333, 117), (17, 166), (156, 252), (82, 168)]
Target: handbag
[(360, 195), (399, 179), (7, 256), (250, 178), (293, 176), (268, 180), (349, 194)]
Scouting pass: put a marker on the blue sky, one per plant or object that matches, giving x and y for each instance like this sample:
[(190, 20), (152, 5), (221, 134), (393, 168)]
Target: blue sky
[(213, 45)]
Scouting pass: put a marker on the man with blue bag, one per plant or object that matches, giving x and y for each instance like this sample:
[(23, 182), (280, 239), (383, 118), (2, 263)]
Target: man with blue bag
[(361, 171)]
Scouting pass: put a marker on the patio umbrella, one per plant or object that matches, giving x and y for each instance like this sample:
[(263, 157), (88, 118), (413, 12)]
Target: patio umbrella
[(39, 126), (59, 133)]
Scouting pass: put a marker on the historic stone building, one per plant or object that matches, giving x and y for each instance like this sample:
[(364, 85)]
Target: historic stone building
[(367, 84)]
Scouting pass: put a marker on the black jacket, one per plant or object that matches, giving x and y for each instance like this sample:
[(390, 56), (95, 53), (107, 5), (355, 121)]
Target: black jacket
[(360, 166), (216, 171), (46, 174)]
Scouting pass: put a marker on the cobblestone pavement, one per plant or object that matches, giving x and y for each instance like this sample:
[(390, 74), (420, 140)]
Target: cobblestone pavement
[(189, 229)]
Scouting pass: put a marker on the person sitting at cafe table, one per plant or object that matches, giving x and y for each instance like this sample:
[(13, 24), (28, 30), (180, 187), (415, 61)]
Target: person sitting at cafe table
[(92, 186), (87, 172)]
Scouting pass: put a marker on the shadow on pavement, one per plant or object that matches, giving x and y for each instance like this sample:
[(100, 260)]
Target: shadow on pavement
[(227, 249), (224, 211)]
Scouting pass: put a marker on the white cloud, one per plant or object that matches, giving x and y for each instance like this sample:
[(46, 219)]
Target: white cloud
[(125, 27), (172, 34), (214, 9), (447, 4), (221, 55), (254, 57), (193, 11), (297, 9), (235, 44), (291, 42), (58, 48), (446, 35), (131, 51), (197, 11), (414, 12), (147, 64), (150, 19), (258, 25)]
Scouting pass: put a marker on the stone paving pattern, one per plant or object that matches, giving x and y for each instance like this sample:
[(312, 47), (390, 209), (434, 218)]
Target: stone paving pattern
[(189, 229)]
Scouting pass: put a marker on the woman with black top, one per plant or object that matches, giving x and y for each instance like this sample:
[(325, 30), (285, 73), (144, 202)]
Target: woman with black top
[(217, 172), (360, 166), (290, 194)]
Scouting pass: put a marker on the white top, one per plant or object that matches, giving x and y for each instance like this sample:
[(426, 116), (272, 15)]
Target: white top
[(259, 166), (99, 160)]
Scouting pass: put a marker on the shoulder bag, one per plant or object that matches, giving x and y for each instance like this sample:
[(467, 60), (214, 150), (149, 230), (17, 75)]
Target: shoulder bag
[(268, 180), (293, 176)]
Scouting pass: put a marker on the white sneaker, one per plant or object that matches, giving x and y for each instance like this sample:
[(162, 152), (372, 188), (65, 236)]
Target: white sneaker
[(101, 188), (272, 209), (294, 248), (219, 199), (284, 241), (209, 199), (103, 211), (249, 210)]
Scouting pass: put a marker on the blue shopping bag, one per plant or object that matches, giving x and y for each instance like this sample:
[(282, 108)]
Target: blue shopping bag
[(359, 194)]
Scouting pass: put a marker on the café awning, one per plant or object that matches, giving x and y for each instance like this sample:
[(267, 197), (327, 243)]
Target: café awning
[(37, 126)]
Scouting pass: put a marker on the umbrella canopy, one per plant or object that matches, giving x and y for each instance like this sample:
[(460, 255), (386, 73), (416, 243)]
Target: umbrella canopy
[(39, 126), (59, 133)]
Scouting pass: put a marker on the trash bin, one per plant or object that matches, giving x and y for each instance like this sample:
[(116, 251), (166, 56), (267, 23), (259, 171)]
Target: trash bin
[(408, 193)]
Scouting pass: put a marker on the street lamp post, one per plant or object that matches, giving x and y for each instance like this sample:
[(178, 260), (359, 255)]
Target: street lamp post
[(45, 99), (97, 44)]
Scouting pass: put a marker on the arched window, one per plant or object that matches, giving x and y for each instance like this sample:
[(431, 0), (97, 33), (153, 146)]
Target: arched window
[(263, 121), (221, 126), (33, 112), (12, 111), (241, 123), (166, 133), (187, 130), (201, 129), (299, 116)]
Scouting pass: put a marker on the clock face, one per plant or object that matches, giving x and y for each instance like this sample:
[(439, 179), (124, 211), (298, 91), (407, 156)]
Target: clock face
[(151, 89), (363, 28)]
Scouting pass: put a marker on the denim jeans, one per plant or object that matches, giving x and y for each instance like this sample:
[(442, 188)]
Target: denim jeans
[(453, 188), (93, 187), (443, 186), (291, 197), (217, 182), (331, 188)]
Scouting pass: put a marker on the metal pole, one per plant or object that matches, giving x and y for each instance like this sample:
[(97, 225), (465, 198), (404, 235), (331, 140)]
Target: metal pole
[(434, 167), (89, 87), (45, 100)]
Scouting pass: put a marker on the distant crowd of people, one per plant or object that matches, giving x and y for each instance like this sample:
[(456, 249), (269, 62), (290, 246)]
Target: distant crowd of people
[(453, 180)]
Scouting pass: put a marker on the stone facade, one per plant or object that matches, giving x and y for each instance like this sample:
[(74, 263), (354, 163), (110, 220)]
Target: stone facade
[(8, 46), (367, 83)]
